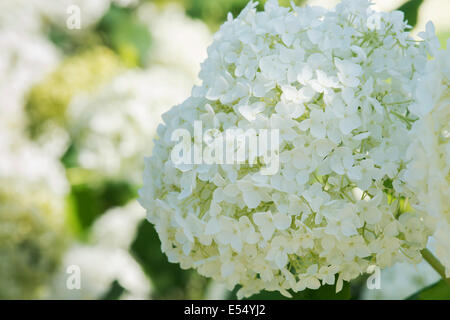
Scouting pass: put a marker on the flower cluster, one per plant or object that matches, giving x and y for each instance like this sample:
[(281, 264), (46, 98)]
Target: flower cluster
[(337, 85), (113, 126), (428, 172)]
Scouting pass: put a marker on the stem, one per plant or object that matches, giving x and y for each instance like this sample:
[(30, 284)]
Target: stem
[(435, 263)]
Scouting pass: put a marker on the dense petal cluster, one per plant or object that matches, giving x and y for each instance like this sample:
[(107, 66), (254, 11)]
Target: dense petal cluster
[(337, 86), (428, 172), (113, 127)]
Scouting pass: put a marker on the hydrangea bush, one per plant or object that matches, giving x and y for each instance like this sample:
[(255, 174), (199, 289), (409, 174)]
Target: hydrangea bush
[(338, 86)]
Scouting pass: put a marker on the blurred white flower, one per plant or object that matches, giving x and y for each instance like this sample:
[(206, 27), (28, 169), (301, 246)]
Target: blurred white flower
[(117, 227), (22, 15), (90, 11), (99, 267), (32, 220), (113, 127), (177, 40), (428, 170), (339, 90), (26, 57), (105, 259), (25, 163), (401, 281)]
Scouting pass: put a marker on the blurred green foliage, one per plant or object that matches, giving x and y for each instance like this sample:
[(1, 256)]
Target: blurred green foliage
[(437, 291), (120, 30), (91, 200)]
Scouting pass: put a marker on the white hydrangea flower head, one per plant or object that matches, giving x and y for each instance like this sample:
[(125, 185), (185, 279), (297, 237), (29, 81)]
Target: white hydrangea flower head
[(177, 40), (113, 126), (428, 172), (337, 85)]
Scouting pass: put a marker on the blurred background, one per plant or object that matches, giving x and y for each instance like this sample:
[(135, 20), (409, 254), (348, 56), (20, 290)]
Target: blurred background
[(83, 85)]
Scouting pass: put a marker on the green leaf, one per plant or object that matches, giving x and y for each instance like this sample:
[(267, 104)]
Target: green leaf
[(411, 11), (437, 291)]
